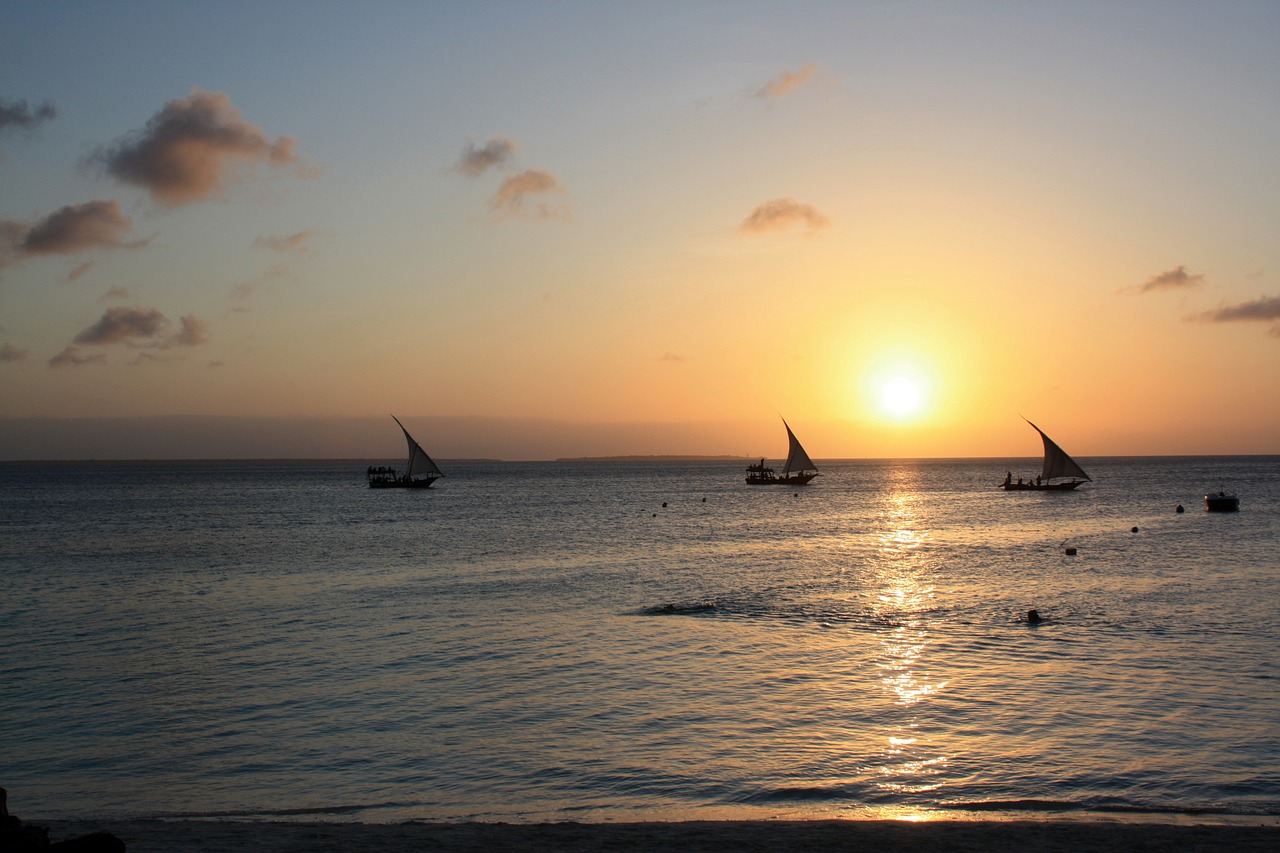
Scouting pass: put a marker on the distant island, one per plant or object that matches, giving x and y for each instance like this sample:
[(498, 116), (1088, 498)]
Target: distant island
[(651, 458)]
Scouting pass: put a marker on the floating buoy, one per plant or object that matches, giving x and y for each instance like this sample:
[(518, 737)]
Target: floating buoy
[(1070, 552), (1179, 509), (1033, 617), (664, 504), (1133, 530)]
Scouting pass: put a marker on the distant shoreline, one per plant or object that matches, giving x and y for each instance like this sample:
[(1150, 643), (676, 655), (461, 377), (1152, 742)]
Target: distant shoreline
[(659, 458)]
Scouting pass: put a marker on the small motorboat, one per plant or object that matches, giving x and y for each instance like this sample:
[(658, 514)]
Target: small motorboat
[(1222, 502)]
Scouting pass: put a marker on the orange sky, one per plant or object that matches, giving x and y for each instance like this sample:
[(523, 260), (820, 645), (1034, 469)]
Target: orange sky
[(665, 230)]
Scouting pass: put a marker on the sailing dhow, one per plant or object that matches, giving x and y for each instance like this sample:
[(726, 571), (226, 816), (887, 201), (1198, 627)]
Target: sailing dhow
[(420, 471), (796, 471), (1057, 464)]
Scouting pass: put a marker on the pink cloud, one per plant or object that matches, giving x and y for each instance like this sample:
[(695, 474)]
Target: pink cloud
[(192, 149)]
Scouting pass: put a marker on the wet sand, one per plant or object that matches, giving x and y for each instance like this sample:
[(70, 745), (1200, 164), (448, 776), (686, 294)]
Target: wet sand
[(153, 836)]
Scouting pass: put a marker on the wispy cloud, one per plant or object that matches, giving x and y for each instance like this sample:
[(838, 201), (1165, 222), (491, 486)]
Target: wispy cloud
[(781, 213), (243, 291), (192, 148), (1265, 309), (522, 194), (79, 271), (72, 357), (786, 82), (135, 327), (115, 293), (285, 243), (1175, 279), (74, 228), (671, 357), (10, 353), (475, 159), (21, 115)]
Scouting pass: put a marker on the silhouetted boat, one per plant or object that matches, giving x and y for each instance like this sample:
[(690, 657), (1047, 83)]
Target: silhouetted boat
[(1222, 502), (796, 471), (1057, 464), (420, 470)]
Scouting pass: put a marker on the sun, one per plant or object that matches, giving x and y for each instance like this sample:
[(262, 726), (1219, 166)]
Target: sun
[(899, 390), (901, 396)]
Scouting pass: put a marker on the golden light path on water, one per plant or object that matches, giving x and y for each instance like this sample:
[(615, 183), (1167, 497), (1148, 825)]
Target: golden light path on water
[(905, 596)]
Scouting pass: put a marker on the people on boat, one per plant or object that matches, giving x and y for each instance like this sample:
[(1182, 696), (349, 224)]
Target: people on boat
[(1008, 477)]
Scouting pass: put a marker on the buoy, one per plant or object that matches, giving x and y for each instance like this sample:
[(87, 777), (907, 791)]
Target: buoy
[(1133, 530), (664, 504), (1070, 552), (1033, 617), (1179, 509)]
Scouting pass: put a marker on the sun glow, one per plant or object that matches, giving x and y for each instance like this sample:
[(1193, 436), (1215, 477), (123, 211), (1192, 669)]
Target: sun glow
[(900, 391)]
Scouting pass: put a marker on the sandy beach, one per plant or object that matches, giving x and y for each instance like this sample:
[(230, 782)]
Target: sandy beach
[(152, 836)]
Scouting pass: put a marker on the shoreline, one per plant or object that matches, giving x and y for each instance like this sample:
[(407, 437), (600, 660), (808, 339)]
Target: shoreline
[(1054, 835)]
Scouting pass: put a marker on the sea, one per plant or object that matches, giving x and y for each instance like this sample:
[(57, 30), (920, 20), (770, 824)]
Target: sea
[(638, 640)]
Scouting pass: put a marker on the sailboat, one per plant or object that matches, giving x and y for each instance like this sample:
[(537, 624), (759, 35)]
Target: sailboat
[(1057, 465), (796, 471), (420, 471)]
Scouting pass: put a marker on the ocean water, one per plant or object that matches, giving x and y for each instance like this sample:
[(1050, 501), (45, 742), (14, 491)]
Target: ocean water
[(637, 640)]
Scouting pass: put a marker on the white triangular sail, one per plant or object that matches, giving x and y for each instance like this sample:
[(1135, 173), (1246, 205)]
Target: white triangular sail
[(419, 462), (1056, 461), (797, 459)]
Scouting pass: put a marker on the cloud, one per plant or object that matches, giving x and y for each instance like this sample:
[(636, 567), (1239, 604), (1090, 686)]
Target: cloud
[(74, 228), (193, 333), (191, 149), (245, 290), (71, 357), (77, 227), (786, 82), (517, 195), (670, 356), (79, 271), (8, 352), (1175, 279), (122, 324), (478, 159), (20, 114), (286, 243), (141, 327), (115, 293), (781, 213), (1265, 309)]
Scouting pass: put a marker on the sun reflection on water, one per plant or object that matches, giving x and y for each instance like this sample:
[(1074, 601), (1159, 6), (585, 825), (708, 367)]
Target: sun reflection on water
[(909, 763)]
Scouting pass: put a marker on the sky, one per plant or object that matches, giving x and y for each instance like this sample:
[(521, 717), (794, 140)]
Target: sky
[(536, 230)]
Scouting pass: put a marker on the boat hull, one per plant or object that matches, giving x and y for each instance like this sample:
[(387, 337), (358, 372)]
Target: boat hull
[(1221, 503), (790, 480), (424, 483), (1040, 487)]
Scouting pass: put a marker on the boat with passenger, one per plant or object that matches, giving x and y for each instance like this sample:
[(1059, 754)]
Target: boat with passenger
[(420, 469), (1222, 502), (798, 470), (1057, 465)]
